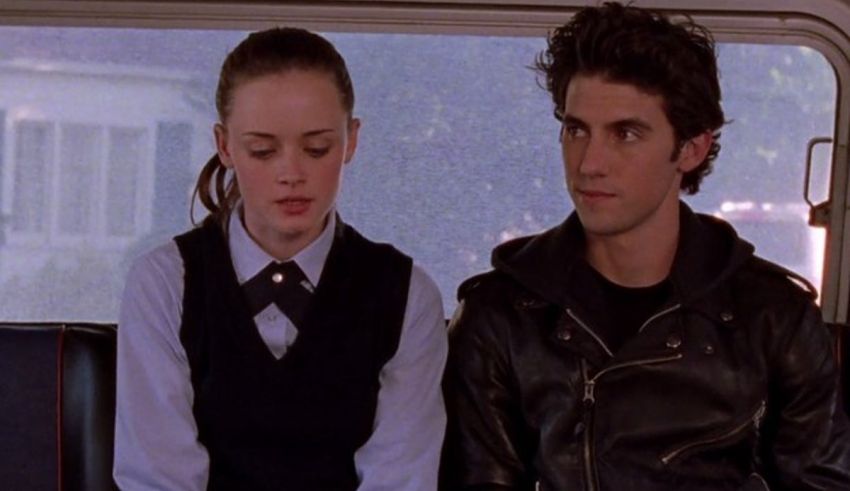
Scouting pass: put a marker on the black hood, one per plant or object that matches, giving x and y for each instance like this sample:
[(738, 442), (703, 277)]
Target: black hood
[(709, 250)]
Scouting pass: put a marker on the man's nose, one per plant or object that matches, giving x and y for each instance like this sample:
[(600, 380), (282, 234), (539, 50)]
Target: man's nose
[(594, 157)]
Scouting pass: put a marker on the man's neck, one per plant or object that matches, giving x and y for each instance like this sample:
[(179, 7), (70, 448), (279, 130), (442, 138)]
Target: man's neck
[(637, 259)]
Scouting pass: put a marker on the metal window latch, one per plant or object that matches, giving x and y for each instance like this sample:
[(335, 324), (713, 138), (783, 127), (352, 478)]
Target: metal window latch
[(818, 213)]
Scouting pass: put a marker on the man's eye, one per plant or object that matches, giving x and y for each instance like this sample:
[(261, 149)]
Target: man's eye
[(571, 132), (317, 152), (628, 135)]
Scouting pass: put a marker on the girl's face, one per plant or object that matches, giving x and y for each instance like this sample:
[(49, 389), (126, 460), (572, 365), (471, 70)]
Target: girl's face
[(287, 138)]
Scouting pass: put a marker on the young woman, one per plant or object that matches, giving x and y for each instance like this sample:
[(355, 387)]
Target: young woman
[(273, 347)]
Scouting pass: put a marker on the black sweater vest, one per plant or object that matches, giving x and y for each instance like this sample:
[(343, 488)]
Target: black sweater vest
[(293, 423)]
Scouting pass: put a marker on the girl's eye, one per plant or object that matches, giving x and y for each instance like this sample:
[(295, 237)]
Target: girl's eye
[(317, 152), (261, 154)]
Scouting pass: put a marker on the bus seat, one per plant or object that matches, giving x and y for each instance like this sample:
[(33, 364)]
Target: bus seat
[(841, 333), (57, 406)]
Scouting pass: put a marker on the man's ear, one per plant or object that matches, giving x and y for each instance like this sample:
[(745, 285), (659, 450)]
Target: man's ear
[(351, 145), (221, 147), (693, 151)]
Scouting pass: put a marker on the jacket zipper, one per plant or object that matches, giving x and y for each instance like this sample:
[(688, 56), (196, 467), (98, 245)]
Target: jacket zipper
[(589, 399), (761, 480), (601, 342), (659, 314), (754, 420), (590, 331)]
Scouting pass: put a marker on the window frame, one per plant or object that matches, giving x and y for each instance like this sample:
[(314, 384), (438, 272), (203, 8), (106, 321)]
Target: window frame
[(823, 26)]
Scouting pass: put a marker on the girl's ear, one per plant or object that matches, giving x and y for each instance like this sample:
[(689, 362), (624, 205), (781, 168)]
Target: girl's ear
[(351, 145), (221, 146)]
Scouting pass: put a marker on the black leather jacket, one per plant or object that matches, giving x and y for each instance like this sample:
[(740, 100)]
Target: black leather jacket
[(732, 385)]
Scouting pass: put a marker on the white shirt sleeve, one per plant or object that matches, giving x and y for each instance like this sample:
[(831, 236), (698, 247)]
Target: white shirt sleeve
[(156, 437), (156, 442), (403, 452)]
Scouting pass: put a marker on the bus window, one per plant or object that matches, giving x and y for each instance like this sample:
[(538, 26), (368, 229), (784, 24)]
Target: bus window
[(105, 129), (776, 98), (781, 233)]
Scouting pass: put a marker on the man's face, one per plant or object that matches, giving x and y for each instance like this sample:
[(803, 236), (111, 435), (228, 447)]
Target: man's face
[(617, 146)]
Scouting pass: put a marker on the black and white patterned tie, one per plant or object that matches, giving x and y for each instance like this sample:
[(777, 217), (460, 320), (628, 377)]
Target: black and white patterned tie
[(283, 284)]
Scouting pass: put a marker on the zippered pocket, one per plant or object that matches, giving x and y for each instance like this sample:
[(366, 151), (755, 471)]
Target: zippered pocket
[(728, 436), (755, 483)]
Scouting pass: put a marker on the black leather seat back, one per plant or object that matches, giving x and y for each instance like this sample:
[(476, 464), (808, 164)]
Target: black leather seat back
[(57, 406), (841, 334)]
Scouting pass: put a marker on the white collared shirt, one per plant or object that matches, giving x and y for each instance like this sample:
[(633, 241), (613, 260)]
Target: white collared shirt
[(156, 438), (249, 258)]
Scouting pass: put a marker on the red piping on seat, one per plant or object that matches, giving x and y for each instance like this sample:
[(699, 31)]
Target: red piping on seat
[(60, 347)]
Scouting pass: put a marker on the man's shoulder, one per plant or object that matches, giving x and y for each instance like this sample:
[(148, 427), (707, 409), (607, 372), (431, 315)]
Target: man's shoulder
[(492, 285), (760, 286), (485, 310), (493, 301), (765, 278)]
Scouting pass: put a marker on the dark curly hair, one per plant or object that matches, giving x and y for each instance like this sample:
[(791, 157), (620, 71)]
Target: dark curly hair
[(265, 53), (643, 48)]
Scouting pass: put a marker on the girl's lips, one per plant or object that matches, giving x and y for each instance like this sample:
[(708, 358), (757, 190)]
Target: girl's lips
[(294, 206)]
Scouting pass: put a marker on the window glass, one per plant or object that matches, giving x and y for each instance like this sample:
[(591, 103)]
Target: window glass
[(78, 155), (776, 99), (33, 156), (126, 150), (458, 152)]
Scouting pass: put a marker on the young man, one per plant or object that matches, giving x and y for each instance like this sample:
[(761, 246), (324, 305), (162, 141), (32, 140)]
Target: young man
[(638, 345)]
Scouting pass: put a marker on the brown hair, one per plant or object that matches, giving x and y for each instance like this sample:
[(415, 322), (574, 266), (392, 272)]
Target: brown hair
[(264, 53), (643, 48)]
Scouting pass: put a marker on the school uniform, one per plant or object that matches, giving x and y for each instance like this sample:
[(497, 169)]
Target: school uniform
[(218, 391)]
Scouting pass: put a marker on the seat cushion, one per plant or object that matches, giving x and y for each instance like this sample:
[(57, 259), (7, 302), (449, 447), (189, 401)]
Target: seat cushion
[(57, 406)]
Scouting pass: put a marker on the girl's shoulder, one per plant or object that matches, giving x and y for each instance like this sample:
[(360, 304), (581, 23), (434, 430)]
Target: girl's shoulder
[(156, 275)]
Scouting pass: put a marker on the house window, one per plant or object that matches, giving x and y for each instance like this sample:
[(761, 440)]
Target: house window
[(78, 163), (126, 151), (33, 155), (88, 189)]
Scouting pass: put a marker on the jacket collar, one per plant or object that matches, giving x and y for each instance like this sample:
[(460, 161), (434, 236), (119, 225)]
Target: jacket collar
[(549, 264)]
